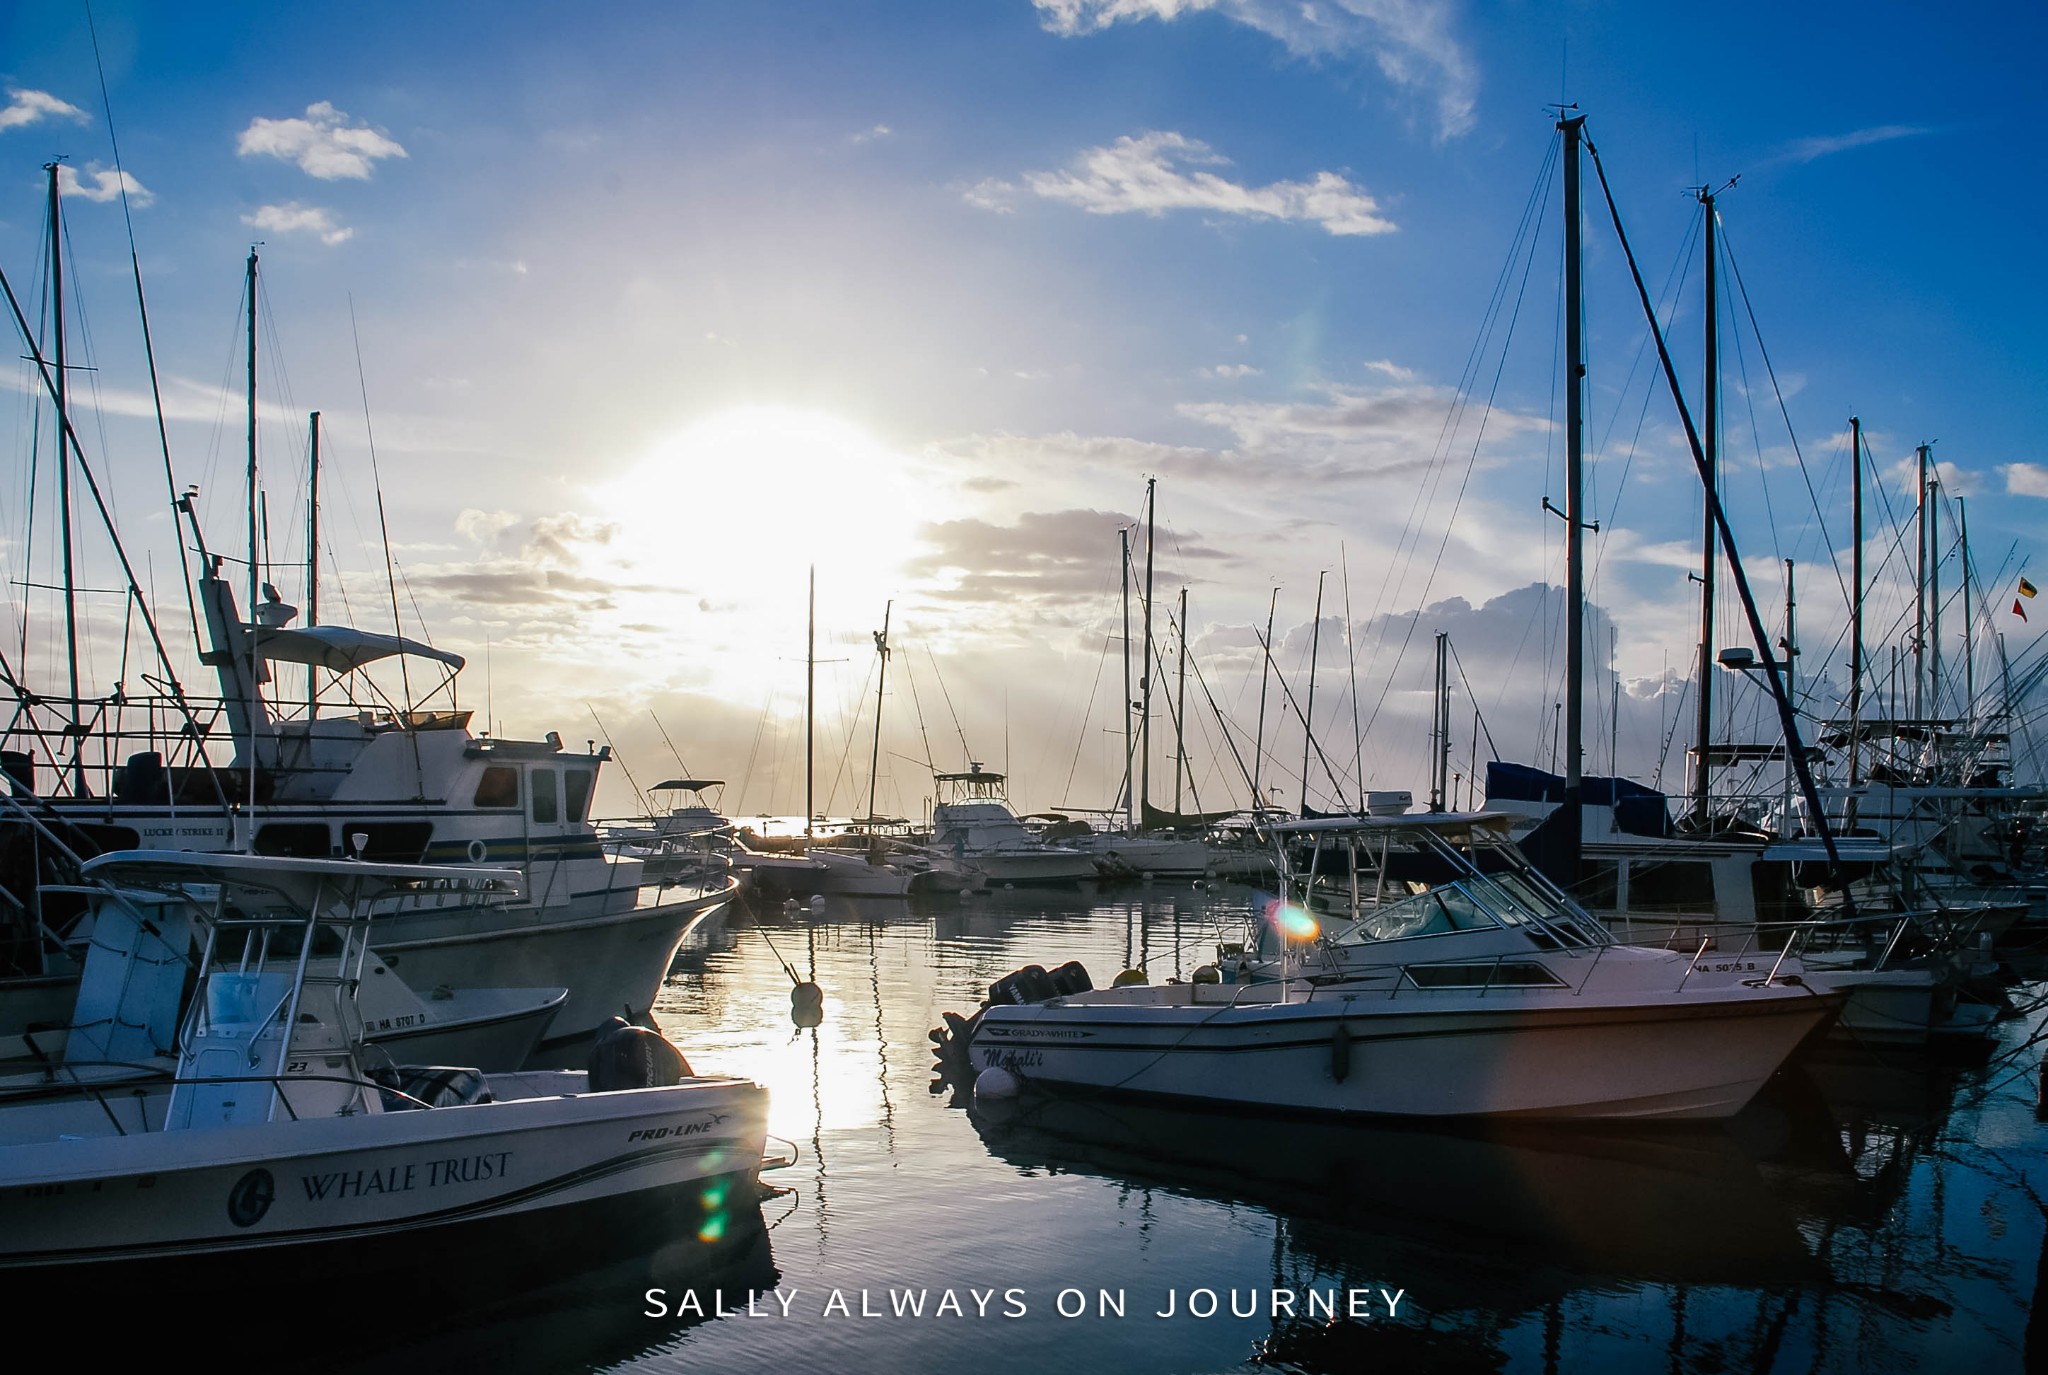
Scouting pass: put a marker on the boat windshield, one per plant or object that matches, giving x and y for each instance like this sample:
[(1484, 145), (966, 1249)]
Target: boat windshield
[(1448, 907)]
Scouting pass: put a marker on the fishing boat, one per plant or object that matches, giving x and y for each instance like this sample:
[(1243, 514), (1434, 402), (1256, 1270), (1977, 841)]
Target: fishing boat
[(1481, 992), (973, 822), (284, 1148)]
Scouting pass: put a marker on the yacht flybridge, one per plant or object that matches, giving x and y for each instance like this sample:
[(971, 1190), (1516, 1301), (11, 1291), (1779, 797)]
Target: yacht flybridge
[(1417, 966)]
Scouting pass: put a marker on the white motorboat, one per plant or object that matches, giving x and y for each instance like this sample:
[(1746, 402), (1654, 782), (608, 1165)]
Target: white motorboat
[(1483, 991), (973, 822), (281, 1148)]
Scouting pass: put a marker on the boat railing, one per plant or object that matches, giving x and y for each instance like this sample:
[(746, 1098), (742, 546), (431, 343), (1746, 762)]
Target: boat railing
[(147, 1076)]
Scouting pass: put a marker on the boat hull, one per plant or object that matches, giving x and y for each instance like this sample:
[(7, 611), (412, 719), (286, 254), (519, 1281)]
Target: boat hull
[(313, 1196), (1677, 1058)]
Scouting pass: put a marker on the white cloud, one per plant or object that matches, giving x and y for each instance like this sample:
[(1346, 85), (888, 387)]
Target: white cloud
[(1408, 40), (322, 144), (870, 135), (1955, 480), (294, 218), (105, 185), (1392, 369), (1000, 197), (1229, 372), (2026, 479), (1149, 174), (1807, 149), (26, 107)]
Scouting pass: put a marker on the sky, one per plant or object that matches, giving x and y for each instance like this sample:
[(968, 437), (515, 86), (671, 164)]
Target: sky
[(630, 323)]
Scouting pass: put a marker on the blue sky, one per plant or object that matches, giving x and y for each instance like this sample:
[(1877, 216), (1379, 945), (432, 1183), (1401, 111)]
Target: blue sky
[(659, 304)]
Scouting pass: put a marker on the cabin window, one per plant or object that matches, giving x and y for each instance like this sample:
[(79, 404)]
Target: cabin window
[(1671, 886), (1599, 881), (544, 804), (302, 839), (1506, 974), (389, 842), (1776, 897), (498, 788), (576, 795)]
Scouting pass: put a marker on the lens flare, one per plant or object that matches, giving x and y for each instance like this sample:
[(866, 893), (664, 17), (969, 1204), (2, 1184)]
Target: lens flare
[(1296, 924)]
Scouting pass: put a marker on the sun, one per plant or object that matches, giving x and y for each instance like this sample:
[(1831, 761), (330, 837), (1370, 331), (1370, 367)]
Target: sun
[(733, 503)]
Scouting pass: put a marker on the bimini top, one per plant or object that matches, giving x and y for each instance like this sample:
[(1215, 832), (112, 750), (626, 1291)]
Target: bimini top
[(688, 785), (341, 648), (1437, 823)]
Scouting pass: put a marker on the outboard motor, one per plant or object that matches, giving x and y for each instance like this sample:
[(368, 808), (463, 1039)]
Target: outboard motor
[(634, 1057)]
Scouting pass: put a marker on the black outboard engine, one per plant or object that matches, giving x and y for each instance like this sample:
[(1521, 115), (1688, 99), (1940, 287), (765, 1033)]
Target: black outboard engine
[(634, 1057)]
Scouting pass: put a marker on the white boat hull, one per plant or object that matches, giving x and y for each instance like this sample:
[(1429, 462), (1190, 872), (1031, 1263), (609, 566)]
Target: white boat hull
[(1679, 1057), (308, 1194)]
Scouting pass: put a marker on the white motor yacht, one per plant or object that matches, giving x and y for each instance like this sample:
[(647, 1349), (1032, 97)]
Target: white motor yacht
[(973, 822)]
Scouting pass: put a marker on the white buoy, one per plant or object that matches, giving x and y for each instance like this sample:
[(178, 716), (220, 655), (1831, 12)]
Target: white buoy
[(995, 1082), (1009, 888), (817, 904)]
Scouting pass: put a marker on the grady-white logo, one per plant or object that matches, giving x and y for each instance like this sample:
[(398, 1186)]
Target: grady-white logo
[(250, 1199)]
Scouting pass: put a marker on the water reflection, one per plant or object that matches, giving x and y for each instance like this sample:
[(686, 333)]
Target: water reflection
[(1873, 1212)]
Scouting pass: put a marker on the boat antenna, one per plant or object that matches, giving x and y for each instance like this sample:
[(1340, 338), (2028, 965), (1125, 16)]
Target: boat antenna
[(1787, 717), (670, 743)]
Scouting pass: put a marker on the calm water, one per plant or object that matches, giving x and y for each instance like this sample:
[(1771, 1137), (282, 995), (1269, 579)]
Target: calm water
[(1873, 1214)]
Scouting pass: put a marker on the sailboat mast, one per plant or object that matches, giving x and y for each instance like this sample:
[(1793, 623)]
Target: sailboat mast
[(1145, 678), (1180, 710), (1123, 538), (1791, 644), (1315, 641), (881, 676), (1934, 594), (1855, 619), (1710, 439), (1920, 599), (64, 474), (1259, 738), (254, 573), (313, 557), (1439, 727), (1574, 540), (1969, 625), (811, 710)]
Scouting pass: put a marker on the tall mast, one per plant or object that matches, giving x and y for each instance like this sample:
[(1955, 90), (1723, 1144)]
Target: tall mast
[(1315, 641), (1855, 620), (1934, 593), (255, 575), (1920, 599), (1123, 538), (1259, 739), (1180, 709), (1439, 727), (64, 474), (313, 557), (811, 711), (1790, 644), (1969, 625), (1574, 539), (1145, 678), (881, 674), (1710, 439)]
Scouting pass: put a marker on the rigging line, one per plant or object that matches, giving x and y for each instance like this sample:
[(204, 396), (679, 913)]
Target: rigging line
[(1081, 740), (917, 707), (1351, 653), (671, 744), (965, 753), (646, 807), (1728, 252), (383, 525), (1471, 463), (1466, 679), (1222, 724), (106, 517), (1412, 527), (1288, 693)]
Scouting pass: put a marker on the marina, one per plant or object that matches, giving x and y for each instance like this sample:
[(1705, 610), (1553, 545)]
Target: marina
[(1335, 858)]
